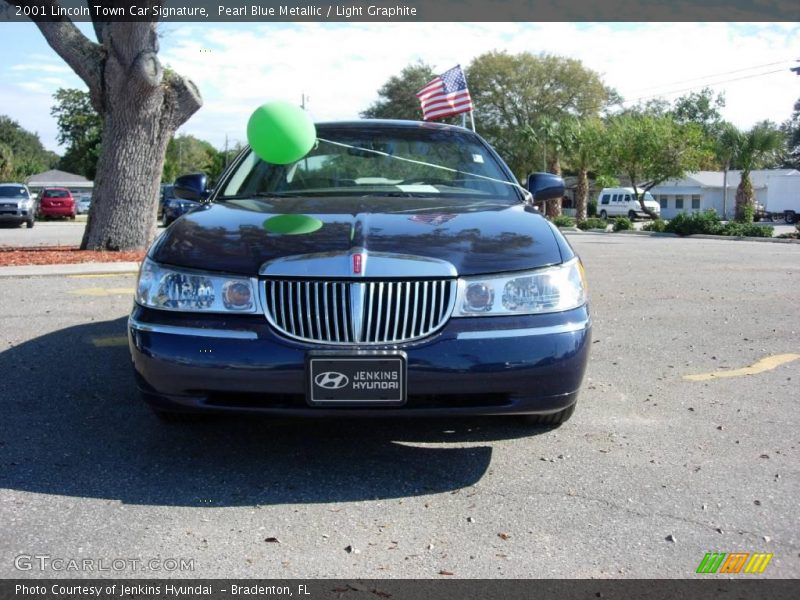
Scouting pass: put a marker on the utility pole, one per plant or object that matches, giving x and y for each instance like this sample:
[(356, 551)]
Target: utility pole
[(226, 150)]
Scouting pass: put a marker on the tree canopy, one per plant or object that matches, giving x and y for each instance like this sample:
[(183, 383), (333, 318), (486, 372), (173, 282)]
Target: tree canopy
[(515, 91), (24, 154), (80, 129), (650, 149), (397, 97)]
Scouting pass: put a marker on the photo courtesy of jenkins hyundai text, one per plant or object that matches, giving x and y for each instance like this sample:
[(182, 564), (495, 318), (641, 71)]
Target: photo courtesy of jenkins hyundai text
[(397, 268)]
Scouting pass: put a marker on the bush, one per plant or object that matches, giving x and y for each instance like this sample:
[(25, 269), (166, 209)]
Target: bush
[(563, 221), (689, 224), (746, 230), (592, 223), (622, 224), (591, 208), (658, 225)]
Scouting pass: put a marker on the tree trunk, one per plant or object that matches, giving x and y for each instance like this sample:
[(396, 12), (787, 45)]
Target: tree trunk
[(745, 205), (581, 195), (553, 207), (141, 105)]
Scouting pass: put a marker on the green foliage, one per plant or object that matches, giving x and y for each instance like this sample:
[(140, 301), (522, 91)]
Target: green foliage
[(748, 210), (397, 97), (702, 108), (515, 91), (28, 154), (659, 225), (188, 154), (622, 224), (734, 228), (706, 222), (564, 221), (651, 148), (593, 223), (591, 208), (606, 181), (6, 163), (80, 129)]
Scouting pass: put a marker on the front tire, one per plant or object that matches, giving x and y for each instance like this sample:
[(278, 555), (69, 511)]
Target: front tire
[(30, 223), (632, 215), (790, 217), (603, 215), (552, 420)]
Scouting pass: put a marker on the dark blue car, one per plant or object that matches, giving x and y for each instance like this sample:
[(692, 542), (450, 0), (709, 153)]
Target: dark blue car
[(397, 269)]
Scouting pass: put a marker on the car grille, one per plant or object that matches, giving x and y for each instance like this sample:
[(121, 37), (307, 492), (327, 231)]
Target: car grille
[(359, 312)]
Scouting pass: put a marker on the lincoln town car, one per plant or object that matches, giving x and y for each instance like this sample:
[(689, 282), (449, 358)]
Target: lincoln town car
[(397, 269)]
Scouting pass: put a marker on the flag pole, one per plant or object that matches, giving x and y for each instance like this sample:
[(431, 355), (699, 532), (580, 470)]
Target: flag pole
[(472, 119), (464, 120)]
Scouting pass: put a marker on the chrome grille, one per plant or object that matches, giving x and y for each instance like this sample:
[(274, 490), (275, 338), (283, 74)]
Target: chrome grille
[(359, 312)]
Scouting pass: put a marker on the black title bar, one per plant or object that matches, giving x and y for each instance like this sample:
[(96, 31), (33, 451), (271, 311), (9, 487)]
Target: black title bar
[(404, 11)]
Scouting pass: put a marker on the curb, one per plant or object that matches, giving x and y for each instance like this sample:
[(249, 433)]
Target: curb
[(88, 268), (699, 236)]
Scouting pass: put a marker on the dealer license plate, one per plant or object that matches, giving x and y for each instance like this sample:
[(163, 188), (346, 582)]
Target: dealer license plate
[(376, 379)]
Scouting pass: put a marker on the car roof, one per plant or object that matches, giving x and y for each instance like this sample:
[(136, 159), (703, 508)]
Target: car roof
[(9, 184), (55, 189), (390, 123)]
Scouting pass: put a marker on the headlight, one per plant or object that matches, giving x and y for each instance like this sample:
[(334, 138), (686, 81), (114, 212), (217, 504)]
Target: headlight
[(169, 288), (553, 289)]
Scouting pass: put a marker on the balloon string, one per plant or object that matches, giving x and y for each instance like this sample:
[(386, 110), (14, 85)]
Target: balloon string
[(525, 192)]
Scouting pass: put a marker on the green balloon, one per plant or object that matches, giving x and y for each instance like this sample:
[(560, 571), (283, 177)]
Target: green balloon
[(280, 132), (292, 224)]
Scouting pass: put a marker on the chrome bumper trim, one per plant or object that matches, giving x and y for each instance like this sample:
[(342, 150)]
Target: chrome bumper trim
[(530, 331), (231, 334)]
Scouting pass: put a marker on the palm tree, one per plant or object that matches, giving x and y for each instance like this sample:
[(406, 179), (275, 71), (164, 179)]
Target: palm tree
[(552, 136), (754, 149), (581, 140), (728, 139)]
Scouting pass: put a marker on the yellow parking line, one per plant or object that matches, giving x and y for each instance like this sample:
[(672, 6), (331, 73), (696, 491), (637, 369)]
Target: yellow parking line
[(109, 341), (765, 364), (96, 291)]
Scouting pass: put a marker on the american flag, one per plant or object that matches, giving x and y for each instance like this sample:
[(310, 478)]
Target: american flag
[(445, 96)]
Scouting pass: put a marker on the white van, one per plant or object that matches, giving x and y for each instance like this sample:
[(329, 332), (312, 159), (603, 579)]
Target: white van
[(622, 202)]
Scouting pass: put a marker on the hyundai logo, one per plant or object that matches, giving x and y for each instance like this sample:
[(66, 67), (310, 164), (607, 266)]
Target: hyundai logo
[(331, 380)]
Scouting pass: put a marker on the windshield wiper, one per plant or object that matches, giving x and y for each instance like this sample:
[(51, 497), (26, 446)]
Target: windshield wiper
[(256, 195)]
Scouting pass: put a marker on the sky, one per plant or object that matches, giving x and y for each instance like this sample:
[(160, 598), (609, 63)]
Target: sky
[(340, 67)]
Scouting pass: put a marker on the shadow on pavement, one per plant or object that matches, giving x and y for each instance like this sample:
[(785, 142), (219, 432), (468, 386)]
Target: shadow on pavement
[(72, 424)]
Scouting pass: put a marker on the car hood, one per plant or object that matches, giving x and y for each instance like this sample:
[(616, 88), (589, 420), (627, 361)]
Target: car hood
[(476, 239)]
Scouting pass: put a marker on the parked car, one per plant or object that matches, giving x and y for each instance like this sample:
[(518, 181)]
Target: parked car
[(622, 202), (56, 202), (17, 205), (84, 204), (175, 206), (397, 269)]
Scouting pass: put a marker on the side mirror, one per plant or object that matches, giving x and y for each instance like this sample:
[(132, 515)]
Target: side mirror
[(192, 187), (545, 186)]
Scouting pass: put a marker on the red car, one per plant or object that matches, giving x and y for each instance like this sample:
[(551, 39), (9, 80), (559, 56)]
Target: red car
[(56, 202)]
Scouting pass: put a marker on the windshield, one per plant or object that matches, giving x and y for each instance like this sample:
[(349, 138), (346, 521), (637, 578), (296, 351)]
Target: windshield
[(12, 192), (380, 161), (56, 194)]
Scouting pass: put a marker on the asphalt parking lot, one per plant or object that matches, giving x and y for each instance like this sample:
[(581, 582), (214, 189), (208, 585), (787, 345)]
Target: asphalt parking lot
[(660, 464)]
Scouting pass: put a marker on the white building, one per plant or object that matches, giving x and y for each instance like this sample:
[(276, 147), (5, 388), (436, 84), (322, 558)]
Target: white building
[(702, 190), (77, 184)]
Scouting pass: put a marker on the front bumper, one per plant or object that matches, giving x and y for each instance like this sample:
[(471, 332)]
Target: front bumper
[(14, 215), (477, 366)]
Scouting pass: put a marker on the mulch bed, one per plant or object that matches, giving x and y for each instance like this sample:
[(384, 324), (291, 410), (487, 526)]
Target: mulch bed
[(61, 255)]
